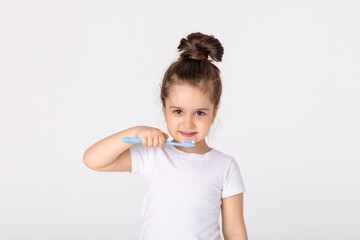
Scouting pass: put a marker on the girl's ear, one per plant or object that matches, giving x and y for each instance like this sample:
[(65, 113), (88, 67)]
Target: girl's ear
[(163, 108)]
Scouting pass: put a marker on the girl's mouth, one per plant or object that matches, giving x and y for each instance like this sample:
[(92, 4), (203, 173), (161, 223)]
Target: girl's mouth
[(188, 134)]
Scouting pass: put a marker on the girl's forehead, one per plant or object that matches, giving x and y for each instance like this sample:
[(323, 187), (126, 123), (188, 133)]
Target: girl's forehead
[(187, 96)]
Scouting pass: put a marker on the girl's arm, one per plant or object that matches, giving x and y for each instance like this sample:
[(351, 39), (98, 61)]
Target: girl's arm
[(233, 224), (112, 155), (106, 151)]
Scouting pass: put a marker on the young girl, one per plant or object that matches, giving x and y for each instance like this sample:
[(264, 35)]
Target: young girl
[(186, 187)]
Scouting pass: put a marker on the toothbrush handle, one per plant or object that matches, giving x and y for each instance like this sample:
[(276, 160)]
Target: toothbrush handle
[(137, 140), (127, 139), (173, 143)]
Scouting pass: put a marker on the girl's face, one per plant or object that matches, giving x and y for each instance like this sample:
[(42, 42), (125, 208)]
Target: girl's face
[(189, 115)]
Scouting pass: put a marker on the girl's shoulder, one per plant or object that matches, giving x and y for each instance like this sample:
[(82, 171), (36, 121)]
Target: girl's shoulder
[(222, 155)]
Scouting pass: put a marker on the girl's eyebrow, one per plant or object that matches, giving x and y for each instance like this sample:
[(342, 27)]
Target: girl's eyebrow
[(204, 109)]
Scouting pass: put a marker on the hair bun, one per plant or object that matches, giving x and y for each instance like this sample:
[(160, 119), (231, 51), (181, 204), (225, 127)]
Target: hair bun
[(199, 46)]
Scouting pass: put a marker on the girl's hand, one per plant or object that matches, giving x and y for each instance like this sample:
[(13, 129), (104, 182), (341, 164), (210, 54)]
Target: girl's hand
[(151, 137)]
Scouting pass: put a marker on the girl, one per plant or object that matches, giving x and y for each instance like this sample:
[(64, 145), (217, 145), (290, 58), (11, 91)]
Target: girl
[(186, 187)]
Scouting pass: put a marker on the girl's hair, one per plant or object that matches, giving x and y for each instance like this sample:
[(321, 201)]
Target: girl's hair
[(193, 66)]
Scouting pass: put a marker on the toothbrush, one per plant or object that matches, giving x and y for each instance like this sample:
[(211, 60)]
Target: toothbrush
[(185, 143)]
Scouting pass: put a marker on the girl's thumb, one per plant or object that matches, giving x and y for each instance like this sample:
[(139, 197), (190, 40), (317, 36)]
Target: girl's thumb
[(166, 135)]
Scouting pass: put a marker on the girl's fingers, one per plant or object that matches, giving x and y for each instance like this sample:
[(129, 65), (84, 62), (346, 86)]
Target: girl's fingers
[(144, 142), (161, 140), (150, 141), (156, 141)]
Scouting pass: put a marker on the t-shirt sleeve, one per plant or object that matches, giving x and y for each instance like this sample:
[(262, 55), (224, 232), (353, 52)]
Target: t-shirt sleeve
[(233, 183), (138, 154)]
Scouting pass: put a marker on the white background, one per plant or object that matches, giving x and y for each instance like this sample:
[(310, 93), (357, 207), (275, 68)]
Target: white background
[(75, 72)]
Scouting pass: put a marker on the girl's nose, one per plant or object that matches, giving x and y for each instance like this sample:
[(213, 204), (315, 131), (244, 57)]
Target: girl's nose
[(188, 123)]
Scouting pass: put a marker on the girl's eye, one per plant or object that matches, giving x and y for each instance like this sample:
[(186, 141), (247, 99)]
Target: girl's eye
[(199, 113)]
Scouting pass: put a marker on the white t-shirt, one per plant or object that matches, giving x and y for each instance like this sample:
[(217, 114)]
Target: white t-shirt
[(183, 191)]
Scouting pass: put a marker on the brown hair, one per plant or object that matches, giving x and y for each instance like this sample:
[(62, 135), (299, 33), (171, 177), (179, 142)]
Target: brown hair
[(193, 66)]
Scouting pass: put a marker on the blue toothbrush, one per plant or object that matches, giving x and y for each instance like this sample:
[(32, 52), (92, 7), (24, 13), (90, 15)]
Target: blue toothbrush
[(185, 143)]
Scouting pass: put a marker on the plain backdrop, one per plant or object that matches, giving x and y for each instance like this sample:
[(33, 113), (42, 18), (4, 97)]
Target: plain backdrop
[(75, 72)]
